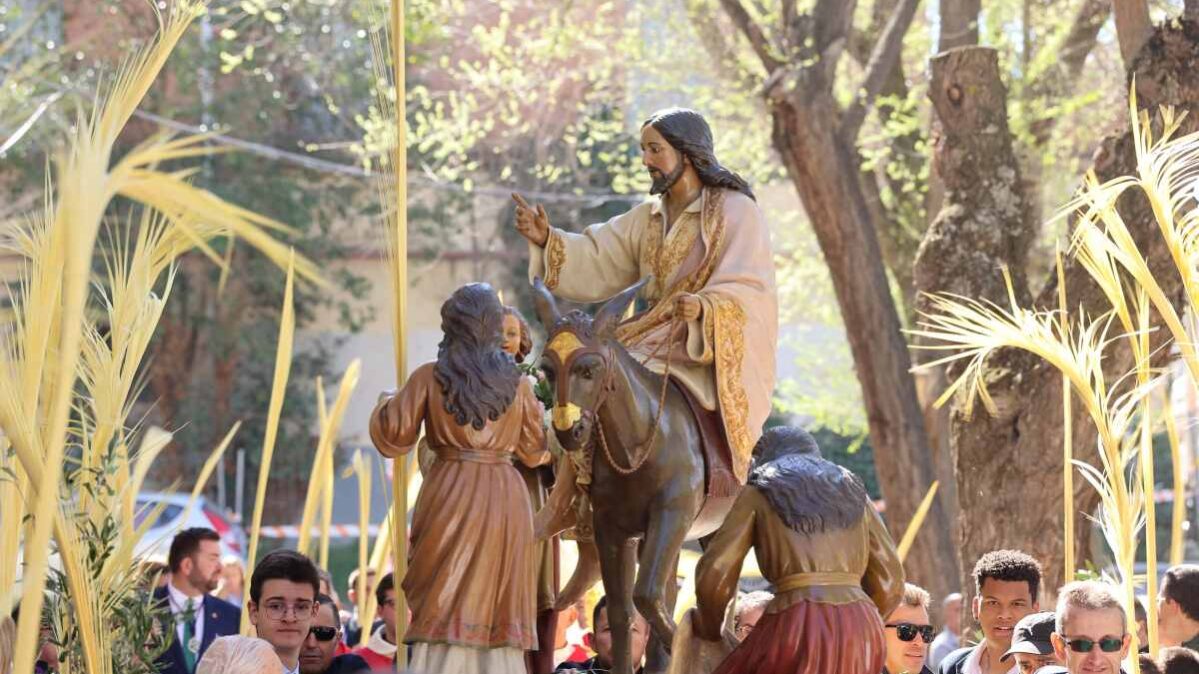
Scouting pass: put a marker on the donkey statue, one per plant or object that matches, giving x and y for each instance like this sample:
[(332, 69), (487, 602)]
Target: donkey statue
[(648, 467)]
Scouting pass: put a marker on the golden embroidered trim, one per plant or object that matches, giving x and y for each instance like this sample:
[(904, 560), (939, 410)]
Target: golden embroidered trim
[(734, 403), (713, 225), (664, 260), (555, 259)]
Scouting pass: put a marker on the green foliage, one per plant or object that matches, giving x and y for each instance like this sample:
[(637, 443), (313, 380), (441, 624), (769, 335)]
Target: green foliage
[(134, 614)]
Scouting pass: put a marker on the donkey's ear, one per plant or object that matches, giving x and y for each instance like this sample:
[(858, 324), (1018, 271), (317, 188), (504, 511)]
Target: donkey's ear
[(543, 302), (609, 315)]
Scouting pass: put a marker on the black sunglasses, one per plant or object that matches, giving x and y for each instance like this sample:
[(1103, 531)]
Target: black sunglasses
[(1106, 644), (908, 631), (323, 633)]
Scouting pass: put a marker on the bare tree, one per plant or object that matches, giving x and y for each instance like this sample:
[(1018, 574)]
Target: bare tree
[(816, 139), (1009, 466)]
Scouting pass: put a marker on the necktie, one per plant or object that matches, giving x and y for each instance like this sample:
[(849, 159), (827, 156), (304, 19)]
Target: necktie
[(189, 631)]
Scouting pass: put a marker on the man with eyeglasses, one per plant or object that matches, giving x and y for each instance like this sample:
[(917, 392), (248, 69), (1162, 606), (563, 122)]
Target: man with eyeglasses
[(1091, 634), (1032, 646), (908, 632), (380, 649), (319, 653), (283, 591)]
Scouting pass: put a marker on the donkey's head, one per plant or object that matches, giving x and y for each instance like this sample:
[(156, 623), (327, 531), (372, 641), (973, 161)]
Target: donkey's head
[(578, 359)]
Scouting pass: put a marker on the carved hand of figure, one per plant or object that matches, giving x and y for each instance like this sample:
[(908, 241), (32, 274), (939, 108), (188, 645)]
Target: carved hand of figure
[(532, 223), (687, 307)]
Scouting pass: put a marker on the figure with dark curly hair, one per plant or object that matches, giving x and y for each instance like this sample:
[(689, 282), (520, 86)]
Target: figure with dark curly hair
[(824, 548), (1007, 584), (473, 609)]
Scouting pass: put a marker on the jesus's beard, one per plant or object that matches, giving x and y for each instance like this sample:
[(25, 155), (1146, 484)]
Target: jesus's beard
[(662, 183)]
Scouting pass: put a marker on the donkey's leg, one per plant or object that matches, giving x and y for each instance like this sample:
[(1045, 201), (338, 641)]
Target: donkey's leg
[(657, 654), (618, 565), (659, 564)]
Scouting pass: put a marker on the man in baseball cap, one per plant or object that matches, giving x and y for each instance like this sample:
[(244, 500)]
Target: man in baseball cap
[(1031, 645)]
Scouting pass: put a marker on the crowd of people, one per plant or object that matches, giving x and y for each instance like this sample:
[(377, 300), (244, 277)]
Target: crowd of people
[(1086, 631), (300, 626)]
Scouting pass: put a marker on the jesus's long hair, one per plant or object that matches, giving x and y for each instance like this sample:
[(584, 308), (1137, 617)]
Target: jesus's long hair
[(688, 132), (478, 380)]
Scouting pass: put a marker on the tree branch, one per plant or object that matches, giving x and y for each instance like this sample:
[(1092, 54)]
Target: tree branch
[(882, 61), (1132, 27), (833, 20), (753, 32)]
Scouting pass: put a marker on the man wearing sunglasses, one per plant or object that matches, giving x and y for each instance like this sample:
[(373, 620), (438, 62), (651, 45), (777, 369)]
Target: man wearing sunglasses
[(283, 592), (1091, 634), (908, 633), (319, 653)]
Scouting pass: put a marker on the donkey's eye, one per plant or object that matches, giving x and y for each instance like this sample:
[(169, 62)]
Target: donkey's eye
[(586, 372), (548, 372)]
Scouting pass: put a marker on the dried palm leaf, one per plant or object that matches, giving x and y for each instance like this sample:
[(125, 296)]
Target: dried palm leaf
[(909, 534), (283, 354), (330, 427)]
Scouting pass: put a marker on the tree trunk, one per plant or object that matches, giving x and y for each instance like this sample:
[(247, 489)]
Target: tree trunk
[(959, 23), (1132, 27), (1009, 466), (825, 173)]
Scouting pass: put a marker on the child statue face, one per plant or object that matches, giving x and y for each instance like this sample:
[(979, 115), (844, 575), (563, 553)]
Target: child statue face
[(511, 334)]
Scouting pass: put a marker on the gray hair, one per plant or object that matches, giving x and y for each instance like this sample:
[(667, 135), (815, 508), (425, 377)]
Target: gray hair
[(752, 601), (1087, 595)]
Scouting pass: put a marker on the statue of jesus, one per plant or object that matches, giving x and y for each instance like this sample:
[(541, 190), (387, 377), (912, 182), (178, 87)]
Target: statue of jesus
[(712, 302)]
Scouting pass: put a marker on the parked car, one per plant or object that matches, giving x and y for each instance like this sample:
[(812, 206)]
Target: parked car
[(156, 542)]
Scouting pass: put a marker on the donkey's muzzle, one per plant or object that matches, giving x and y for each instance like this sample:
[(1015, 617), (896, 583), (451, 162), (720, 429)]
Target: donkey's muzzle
[(566, 416)]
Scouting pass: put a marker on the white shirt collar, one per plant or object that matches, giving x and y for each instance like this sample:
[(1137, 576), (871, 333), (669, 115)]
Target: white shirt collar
[(657, 205), (179, 600), (973, 664)]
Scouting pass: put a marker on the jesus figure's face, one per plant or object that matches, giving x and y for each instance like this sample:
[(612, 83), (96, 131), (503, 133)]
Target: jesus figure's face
[(664, 163)]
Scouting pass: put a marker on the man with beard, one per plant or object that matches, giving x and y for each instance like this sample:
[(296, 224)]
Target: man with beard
[(198, 616), (712, 314)]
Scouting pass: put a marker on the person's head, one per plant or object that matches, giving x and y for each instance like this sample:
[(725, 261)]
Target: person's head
[(1090, 631), (1138, 611), (352, 583), (195, 561), (600, 640), (1178, 604), (233, 576), (320, 646), (1032, 643), (908, 632), (1177, 660), (518, 342), (239, 655), (1148, 664), (951, 612), (283, 590), (385, 598), (477, 379), (750, 609), (779, 441), (1006, 583), (676, 142), (809, 493)]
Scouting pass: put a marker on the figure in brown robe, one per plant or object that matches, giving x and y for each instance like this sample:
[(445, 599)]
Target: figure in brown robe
[(819, 541), (473, 607)]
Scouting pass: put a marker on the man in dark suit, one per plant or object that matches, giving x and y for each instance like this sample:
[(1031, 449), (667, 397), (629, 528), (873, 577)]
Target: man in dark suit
[(197, 617)]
